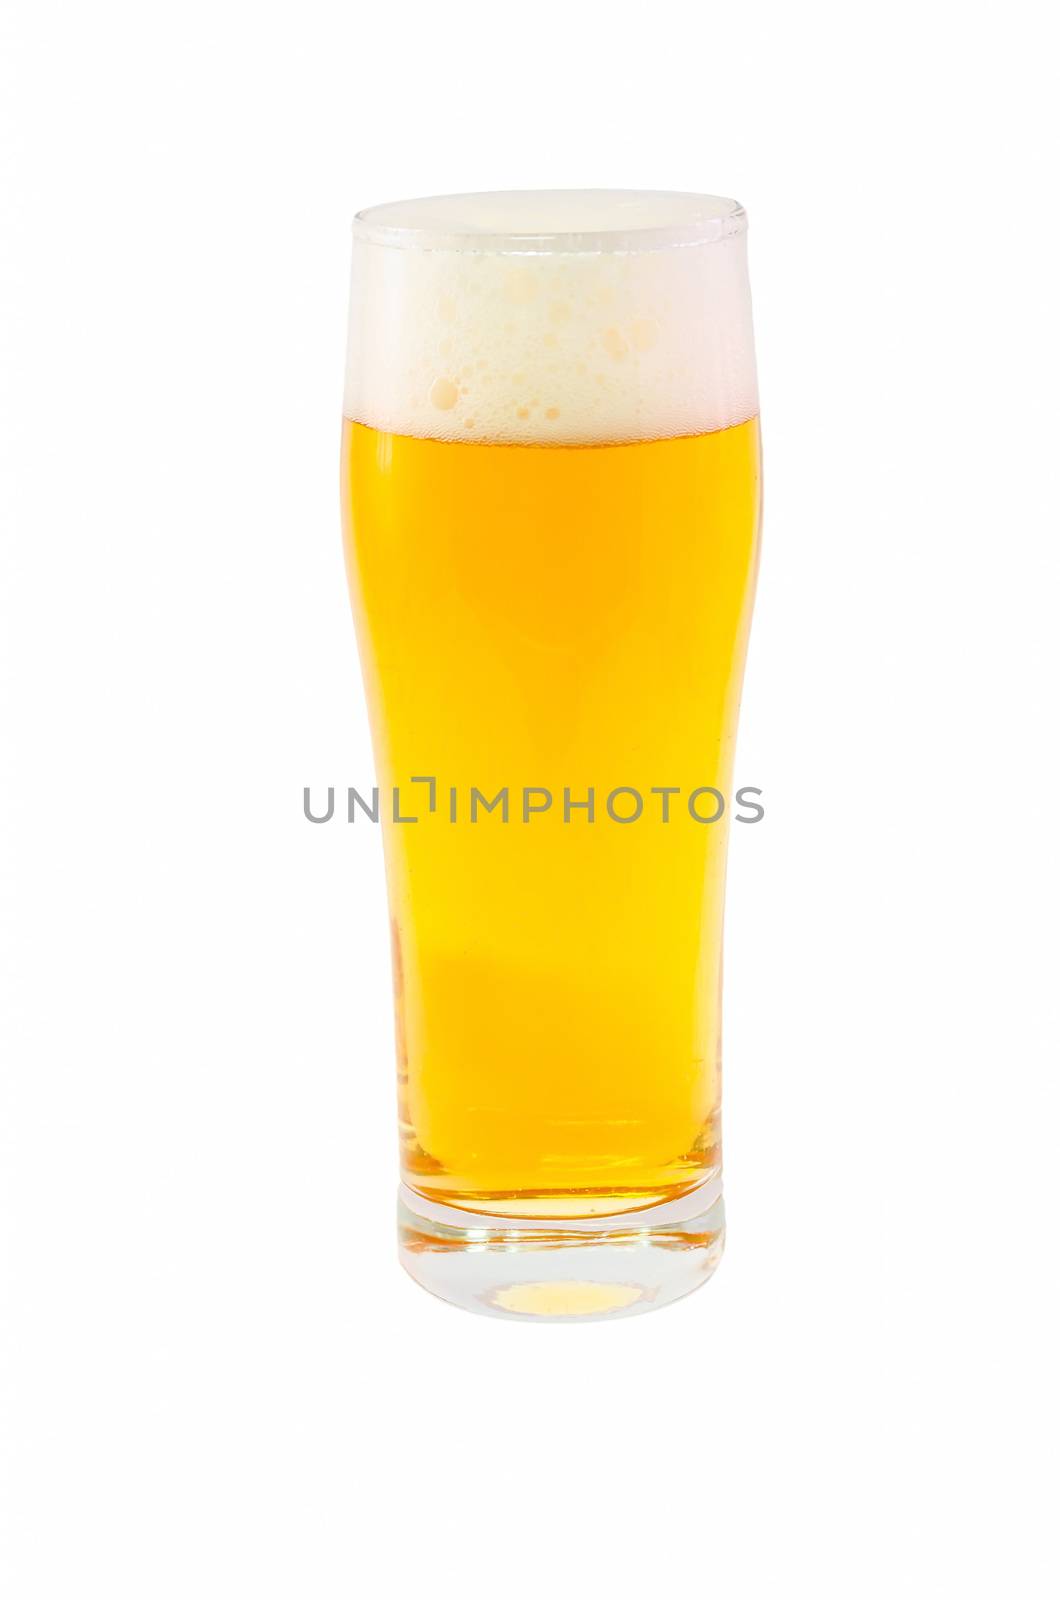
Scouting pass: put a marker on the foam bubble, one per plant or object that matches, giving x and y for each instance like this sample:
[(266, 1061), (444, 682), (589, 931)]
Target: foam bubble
[(571, 317)]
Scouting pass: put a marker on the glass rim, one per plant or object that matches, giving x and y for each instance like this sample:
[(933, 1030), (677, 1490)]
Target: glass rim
[(721, 218)]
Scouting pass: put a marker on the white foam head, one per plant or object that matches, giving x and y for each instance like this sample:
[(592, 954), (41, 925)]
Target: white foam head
[(562, 317)]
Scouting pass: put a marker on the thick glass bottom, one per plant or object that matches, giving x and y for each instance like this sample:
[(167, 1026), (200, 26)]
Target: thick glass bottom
[(546, 1270)]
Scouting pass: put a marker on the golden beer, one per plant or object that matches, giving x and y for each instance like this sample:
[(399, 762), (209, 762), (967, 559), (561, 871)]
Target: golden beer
[(552, 626)]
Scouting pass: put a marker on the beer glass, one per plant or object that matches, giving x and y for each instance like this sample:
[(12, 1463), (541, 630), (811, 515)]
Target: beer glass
[(550, 475)]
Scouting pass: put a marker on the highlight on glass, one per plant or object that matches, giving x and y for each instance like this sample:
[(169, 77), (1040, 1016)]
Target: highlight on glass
[(550, 489)]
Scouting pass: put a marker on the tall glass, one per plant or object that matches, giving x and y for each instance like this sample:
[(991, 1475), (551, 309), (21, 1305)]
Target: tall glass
[(550, 470)]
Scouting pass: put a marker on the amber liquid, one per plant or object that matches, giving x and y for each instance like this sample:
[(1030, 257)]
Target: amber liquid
[(557, 619)]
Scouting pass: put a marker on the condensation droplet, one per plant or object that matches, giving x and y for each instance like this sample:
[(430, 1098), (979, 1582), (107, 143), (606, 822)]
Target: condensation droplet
[(614, 343), (644, 334), (552, 412), (520, 286), (444, 394)]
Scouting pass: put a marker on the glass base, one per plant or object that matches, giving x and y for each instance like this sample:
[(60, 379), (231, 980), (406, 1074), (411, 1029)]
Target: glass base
[(549, 1270)]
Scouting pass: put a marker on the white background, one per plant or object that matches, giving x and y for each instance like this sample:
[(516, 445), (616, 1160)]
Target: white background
[(216, 1380)]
